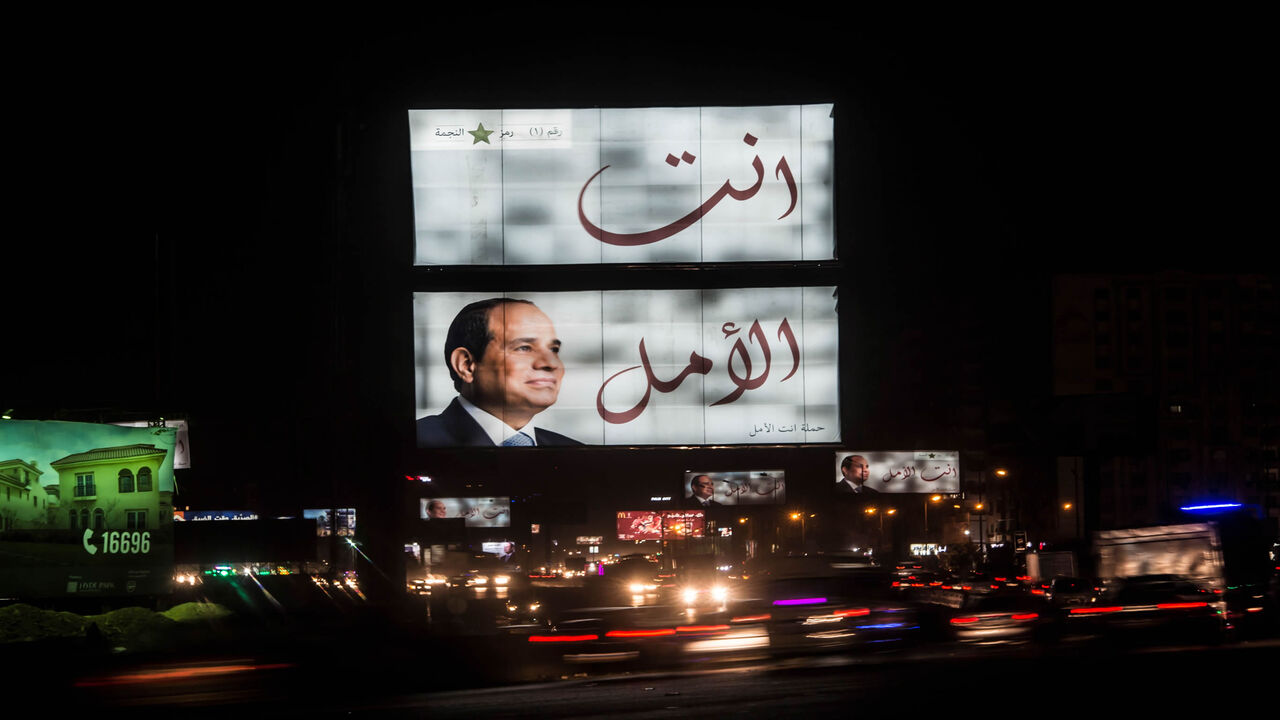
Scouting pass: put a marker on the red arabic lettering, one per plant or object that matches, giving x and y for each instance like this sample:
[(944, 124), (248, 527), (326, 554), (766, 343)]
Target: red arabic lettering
[(697, 364), (782, 170)]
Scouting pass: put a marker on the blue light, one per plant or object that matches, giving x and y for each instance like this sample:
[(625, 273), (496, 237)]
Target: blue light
[(1210, 508)]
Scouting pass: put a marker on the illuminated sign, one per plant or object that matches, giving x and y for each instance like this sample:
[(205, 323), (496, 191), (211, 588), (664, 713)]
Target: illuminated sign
[(340, 521), (660, 524), (181, 446), (613, 185), (876, 471), (590, 539), (630, 367), (204, 515), (747, 487), (477, 512), (86, 509)]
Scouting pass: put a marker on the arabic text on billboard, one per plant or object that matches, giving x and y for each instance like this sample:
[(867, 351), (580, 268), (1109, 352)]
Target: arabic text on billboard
[(660, 524), (747, 487), (476, 511), (877, 471), (628, 367), (612, 185)]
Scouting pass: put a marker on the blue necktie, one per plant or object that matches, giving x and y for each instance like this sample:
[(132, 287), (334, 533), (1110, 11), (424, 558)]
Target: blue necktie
[(518, 440)]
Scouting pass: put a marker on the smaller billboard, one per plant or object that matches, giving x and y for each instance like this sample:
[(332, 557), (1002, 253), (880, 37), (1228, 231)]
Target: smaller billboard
[(476, 511), (660, 524), (204, 515), (504, 549), (745, 487), (880, 471), (181, 445), (329, 521)]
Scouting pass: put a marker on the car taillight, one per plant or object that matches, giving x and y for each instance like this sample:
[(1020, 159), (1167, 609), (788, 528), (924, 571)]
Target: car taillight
[(701, 628), (853, 612), (1096, 610), (639, 633), (1181, 606), (1026, 616), (963, 620)]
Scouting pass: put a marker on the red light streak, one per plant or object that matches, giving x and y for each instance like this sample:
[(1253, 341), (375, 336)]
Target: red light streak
[(182, 674), (1096, 610), (562, 638), (853, 612), (640, 633), (963, 620), (701, 628), (1181, 606), (753, 618), (1026, 616)]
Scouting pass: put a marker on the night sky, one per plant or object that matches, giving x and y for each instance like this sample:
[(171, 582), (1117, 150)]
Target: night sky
[(221, 217)]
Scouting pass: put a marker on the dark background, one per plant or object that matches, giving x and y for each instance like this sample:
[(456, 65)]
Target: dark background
[(215, 219)]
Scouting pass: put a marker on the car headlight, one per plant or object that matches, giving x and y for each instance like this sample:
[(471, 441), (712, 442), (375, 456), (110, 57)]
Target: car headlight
[(501, 580), (480, 580), (719, 594), (636, 587), (690, 595)]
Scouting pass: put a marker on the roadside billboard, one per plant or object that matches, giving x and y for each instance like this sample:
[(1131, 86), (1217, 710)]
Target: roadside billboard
[(85, 509), (660, 524), (740, 487), (730, 366), (878, 471), (622, 185), (476, 511)]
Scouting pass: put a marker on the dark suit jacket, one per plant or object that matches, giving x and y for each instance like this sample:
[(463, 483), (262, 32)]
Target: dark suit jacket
[(843, 487), (691, 503), (456, 428)]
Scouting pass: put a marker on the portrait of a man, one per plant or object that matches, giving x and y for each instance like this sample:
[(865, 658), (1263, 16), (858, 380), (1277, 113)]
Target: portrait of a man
[(503, 356), (855, 471), (701, 492)]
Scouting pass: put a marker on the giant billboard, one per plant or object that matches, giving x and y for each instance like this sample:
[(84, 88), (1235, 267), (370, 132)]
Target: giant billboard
[(85, 509), (731, 366), (878, 471), (623, 185)]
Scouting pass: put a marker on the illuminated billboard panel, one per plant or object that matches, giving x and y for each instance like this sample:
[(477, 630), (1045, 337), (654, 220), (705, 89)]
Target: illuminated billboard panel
[(476, 511), (660, 524), (746, 487), (878, 471), (627, 367), (85, 509), (623, 185), (332, 521)]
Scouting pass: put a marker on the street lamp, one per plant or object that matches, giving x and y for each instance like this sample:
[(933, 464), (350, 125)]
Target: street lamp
[(934, 499), (799, 516)]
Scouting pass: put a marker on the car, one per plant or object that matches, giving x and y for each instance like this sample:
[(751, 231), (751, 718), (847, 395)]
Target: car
[(1064, 591), (999, 618), (821, 608), (1152, 608)]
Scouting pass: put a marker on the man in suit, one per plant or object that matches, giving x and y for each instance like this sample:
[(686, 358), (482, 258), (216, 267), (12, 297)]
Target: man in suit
[(701, 489), (855, 472), (504, 358)]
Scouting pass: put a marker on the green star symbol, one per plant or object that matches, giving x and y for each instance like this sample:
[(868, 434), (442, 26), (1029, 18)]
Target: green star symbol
[(480, 134)]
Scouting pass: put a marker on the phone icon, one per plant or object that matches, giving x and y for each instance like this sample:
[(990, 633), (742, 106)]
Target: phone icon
[(88, 546)]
